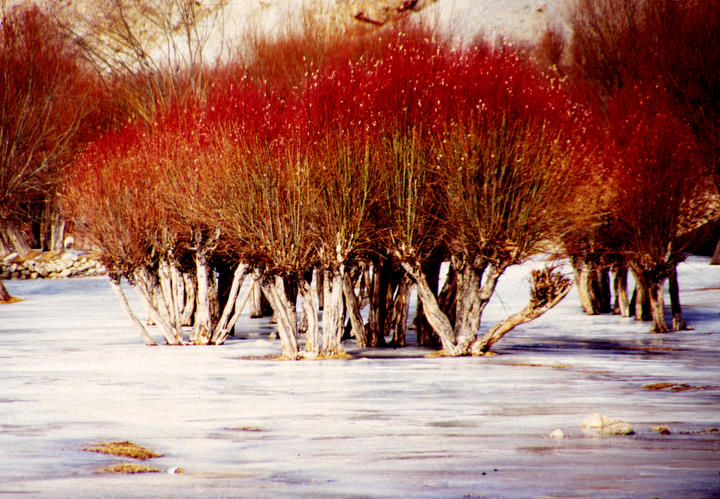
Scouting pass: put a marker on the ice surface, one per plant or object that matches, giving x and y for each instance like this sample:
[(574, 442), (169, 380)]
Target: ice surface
[(388, 423)]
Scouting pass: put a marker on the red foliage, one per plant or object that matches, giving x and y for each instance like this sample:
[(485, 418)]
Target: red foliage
[(663, 188), (49, 104)]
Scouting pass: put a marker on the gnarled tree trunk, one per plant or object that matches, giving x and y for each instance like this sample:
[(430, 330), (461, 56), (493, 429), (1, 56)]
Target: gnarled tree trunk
[(353, 310), (592, 284), (434, 315), (399, 314), (426, 336), (285, 314), (641, 298), (657, 305), (206, 300), (620, 287), (381, 274), (120, 294), (549, 288), (678, 323), (145, 282), (4, 295), (310, 312), (18, 239), (333, 316), (225, 323)]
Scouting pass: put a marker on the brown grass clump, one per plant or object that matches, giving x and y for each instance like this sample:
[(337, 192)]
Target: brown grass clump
[(674, 387), (11, 300), (128, 469), (532, 364), (123, 449), (658, 386), (247, 428), (662, 430)]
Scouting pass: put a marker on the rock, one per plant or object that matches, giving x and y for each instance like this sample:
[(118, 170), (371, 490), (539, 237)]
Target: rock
[(65, 273), (12, 256), (69, 242), (33, 275), (595, 420), (13, 267), (557, 434), (69, 257), (607, 426)]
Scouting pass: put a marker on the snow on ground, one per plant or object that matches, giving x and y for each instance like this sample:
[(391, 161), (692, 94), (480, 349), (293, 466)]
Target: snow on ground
[(387, 423)]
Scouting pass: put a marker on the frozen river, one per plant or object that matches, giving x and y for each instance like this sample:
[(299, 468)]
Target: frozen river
[(387, 423)]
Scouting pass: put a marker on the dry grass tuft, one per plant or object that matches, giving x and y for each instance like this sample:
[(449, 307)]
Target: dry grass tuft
[(435, 355), (11, 300), (129, 468), (675, 387), (532, 364), (247, 428), (662, 430), (123, 449)]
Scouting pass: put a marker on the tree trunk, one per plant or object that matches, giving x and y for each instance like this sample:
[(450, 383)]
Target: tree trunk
[(426, 336), (435, 316), (169, 293), (353, 310), (4, 247), (239, 306), (146, 285), (715, 260), (225, 280), (4, 295), (57, 232), (259, 305), (117, 289), (620, 286), (221, 331), (603, 289), (189, 286), (592, 284), (381, 275), (285, 314), (473, 295), (641, 297), (657, 306), (310, 312), (206, 295), (550, 285), (333, 313), (18, 239), (678, 323), (320, 288), (400, 311)]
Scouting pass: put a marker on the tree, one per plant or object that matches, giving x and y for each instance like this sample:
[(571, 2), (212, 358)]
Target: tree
[(618, 44), (495, 187), (46, 98), (665, 191)]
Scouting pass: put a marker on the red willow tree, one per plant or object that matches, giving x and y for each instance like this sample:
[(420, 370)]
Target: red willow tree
[(664, 191), (483, 167), (398, 149), (617, 45), (132, 193), (47, 100)]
